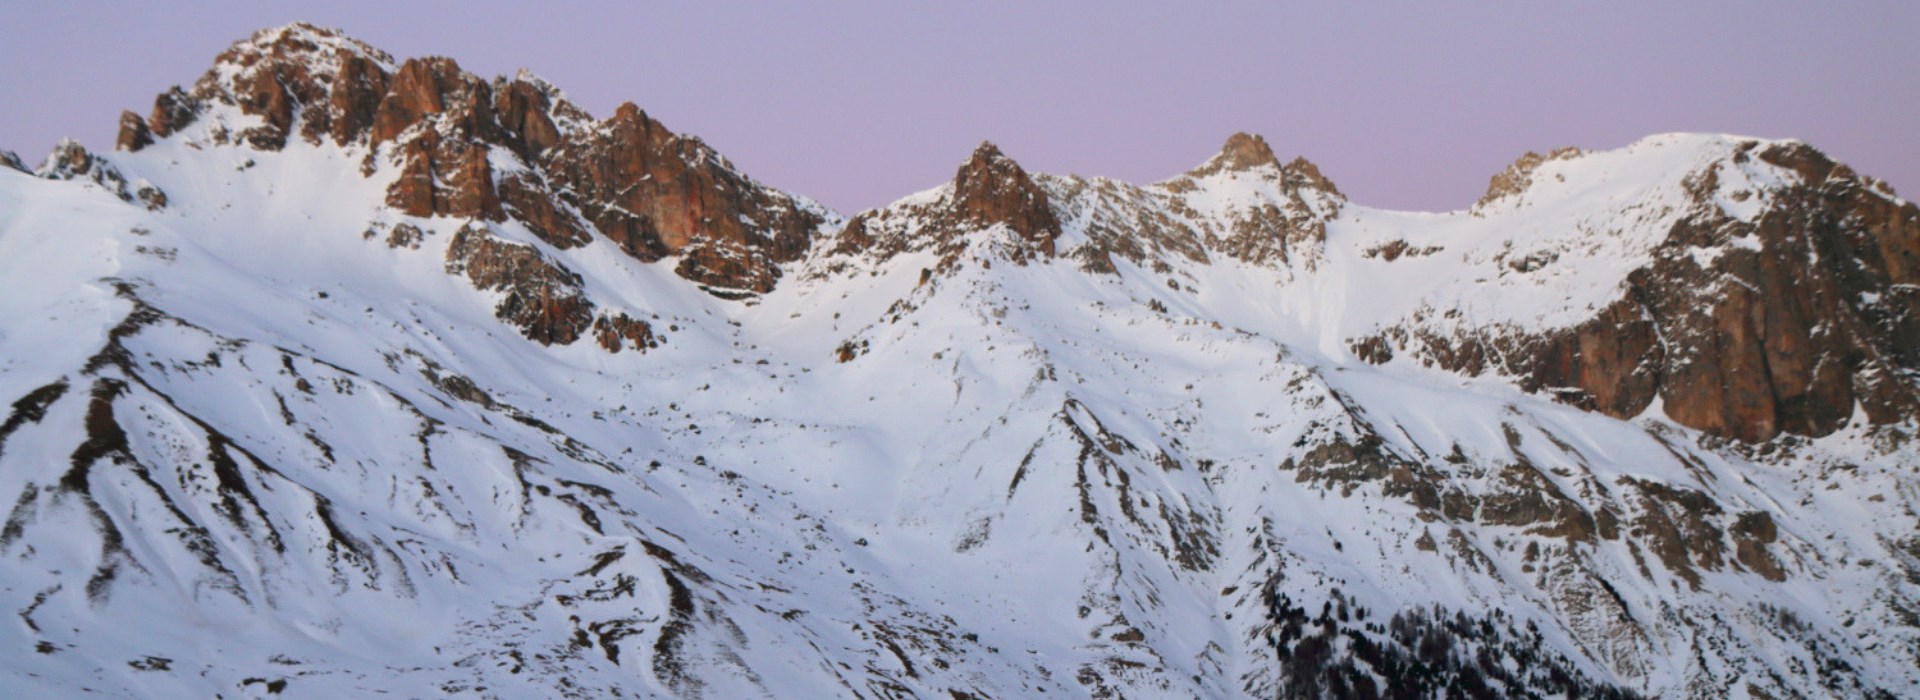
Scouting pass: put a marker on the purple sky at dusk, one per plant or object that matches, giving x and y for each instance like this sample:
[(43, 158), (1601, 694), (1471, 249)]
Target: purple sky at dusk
[(1407, 105)]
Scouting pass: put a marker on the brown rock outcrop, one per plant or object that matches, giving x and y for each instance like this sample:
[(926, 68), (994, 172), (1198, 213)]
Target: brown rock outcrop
[(1815, 311), (445, 178), (354, 99), (1243, 150), (133, 133), (173, 110), (71, 161), (528, 200), (425, 87), (990, 189), (539, 296), (655, 193), (617, 331), (523, 109), (1752, 532)]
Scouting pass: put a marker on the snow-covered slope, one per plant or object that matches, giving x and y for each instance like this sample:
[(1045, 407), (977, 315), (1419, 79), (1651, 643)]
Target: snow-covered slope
[(284, 433)]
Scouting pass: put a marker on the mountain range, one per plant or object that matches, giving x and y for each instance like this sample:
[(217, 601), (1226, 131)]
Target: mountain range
[(342, 376)]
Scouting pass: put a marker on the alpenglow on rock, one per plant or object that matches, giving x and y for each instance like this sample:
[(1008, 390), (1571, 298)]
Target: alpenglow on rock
[(343, 375)]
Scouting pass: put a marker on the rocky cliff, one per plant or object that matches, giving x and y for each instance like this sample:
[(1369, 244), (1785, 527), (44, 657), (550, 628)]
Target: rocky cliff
[(1777, 296)]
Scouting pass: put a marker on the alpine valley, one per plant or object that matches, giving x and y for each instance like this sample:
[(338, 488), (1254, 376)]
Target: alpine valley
[(348, 376)]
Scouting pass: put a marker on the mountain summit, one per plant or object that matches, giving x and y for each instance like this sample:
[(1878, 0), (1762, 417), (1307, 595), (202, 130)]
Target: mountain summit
[(1244, 150), (510, 148), (344, 375)]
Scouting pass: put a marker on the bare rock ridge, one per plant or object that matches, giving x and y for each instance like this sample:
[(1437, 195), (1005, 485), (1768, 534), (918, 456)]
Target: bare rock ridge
[(653, 193)]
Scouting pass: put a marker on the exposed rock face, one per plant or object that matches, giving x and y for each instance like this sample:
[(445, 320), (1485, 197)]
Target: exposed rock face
[(514, 147), (524, 106), (71, 161), (445, 178), (1797, 344), (404, 235), (656, 194), (617, 331), (173, 110), (356, 96), (1242, 151), (9, 159), (1805, 309), (133, 133), (527, 199), (541, 298), (279, 73), (991, 190)]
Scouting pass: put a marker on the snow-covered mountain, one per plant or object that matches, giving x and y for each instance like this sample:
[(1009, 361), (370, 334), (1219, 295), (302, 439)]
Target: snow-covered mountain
[(344, 376)]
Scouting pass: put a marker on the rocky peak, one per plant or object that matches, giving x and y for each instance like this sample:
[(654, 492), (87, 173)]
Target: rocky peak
[(1249, 153), (317, 83), (991, 189), (277, 75), (1245, 153), (652, 192), (1809, 313), (1267, 212), (173, 110), (1244, 150), (67, 160), (288, 72), (297, 42), (988, 190)]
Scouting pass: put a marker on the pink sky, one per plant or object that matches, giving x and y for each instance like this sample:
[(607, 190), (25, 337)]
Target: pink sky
[(1408, 105)]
